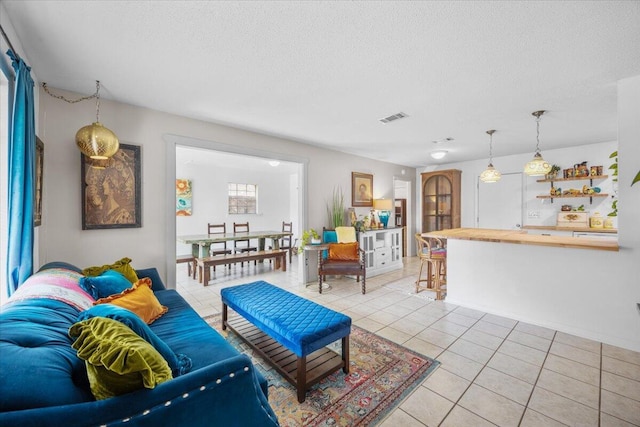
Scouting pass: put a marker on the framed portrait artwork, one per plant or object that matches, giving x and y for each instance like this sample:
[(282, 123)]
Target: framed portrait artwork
[(37, 205), (111, 190), (361, 189)]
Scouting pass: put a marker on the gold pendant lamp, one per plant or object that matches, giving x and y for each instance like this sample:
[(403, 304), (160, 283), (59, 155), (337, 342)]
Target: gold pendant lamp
[(94, 140), (490, 174), (537, 166)]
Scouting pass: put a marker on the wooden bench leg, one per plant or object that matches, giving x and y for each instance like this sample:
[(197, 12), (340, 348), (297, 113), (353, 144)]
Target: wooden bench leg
[(301, 378), (345, 354), (224, 316), (206, 273)]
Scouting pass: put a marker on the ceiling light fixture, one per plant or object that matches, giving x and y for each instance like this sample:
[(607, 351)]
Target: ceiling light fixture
[(537, 166), (94, 140), (274, 163), (438, 154), (490, 174)]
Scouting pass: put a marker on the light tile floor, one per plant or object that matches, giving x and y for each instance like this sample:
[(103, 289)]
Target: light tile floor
[(494, 370)]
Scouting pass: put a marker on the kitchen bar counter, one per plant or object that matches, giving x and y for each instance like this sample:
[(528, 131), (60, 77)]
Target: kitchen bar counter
[(521, 237)]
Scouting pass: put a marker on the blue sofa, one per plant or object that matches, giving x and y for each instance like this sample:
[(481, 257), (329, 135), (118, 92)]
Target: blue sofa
[(44, 383)]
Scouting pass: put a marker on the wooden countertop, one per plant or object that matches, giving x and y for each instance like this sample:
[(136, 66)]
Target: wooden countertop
[(578, 229), (521, 237)]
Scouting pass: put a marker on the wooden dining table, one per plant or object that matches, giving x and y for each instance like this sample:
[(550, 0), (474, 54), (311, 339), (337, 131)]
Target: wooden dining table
[(201, 243)]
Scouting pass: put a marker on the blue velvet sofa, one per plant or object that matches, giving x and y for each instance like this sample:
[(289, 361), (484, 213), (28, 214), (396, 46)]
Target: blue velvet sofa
[(44, 383)]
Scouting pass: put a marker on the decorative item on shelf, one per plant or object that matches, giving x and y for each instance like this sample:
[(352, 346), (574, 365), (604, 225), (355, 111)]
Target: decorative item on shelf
[(596, 221), (555, 191), (595, 170), (581, 169), (490, 174), (608, 223), (553, 173), (566, 208), (94, 140), (537, 166), (383, 206), (568, 173)]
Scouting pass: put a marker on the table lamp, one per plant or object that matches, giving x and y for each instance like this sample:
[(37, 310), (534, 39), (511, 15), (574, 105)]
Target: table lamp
[(383, 206)]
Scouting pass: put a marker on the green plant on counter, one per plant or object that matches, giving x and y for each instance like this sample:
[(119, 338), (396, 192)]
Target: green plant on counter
[(614, 168)]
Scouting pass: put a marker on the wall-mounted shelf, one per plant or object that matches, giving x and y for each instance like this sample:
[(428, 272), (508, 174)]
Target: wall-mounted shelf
[(589, 178), (576, 178), (569, 196)]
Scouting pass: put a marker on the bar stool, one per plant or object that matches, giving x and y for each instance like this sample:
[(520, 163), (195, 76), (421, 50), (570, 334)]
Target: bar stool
[(432, 252)]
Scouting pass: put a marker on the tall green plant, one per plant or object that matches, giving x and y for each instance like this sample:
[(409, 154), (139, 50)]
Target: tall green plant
[(336, 209), (614, 168)]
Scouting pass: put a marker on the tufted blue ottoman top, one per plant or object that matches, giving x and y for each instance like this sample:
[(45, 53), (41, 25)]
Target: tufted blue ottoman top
[(297, 323)]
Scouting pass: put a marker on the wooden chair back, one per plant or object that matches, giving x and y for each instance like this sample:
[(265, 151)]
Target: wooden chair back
[(242, 245), (218, 248)]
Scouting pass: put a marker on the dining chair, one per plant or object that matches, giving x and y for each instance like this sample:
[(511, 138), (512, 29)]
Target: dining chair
[(287, 242), (240, 246), (432, 253), (221, 247)]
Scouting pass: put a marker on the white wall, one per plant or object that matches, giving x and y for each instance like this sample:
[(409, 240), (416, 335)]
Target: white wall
[(62, 236)]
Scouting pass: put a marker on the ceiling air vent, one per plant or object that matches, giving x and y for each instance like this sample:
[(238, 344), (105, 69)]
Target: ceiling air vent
[(393, 117)]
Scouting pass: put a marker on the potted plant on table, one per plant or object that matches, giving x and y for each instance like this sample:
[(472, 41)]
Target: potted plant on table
[(309, 236)]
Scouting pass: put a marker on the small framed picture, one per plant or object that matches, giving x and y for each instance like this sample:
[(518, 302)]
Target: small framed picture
[(361, 189), (111, 190)]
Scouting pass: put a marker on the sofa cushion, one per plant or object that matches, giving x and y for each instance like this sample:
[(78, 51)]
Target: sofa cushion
[(179, 363), (118, 361), (123, 266), (108, 283), (140, 299), (38, 367)]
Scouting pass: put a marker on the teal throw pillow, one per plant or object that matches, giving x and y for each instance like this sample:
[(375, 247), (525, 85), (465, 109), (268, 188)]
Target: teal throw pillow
[(108, 283)]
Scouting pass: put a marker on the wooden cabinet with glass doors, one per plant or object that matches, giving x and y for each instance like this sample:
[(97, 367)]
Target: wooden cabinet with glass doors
[(440, 200)]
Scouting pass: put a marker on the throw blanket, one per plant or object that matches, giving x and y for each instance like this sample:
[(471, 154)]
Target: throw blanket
[(56, 283)]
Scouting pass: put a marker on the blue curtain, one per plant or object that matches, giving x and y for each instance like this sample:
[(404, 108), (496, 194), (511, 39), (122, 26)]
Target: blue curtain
[(22, 147)]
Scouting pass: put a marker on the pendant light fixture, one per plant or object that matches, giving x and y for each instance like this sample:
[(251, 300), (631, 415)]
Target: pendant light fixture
[(94, 140), (537, 166), (490, 174)]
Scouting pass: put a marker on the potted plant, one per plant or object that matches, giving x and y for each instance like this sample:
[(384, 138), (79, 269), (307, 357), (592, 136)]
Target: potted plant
[(336, 208), (309, 236), (553, 173), (614, 168)]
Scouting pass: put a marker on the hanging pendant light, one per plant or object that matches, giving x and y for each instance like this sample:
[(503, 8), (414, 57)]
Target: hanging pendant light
[(490, 174), (537, 166), (94, 140)]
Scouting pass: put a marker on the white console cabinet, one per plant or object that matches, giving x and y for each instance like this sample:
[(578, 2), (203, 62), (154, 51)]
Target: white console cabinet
[(382, 250)]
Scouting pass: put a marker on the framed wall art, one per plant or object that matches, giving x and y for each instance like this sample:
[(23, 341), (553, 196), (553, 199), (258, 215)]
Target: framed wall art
[(111, 190), (37, 205), (183, 197), (361, 189)]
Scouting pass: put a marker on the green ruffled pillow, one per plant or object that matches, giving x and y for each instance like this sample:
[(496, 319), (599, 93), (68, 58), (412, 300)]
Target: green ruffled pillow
[(118, 361), (122, 266)]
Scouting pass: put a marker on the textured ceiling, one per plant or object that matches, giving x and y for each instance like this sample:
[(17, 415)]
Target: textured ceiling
[(324, 73)]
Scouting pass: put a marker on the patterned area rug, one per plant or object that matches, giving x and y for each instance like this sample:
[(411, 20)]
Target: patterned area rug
[(381, 374)]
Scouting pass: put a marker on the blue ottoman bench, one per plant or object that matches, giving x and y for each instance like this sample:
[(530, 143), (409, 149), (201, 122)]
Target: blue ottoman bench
[(290, 332)]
